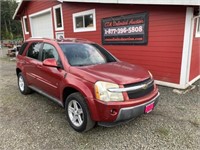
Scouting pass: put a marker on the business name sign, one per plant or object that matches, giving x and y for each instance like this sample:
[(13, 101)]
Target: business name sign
[(125, 30)]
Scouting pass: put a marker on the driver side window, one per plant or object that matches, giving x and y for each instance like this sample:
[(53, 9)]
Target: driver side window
[(49, 51)]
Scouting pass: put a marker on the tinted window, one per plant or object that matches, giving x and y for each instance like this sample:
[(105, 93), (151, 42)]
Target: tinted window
[(108, 56), (33, 50), (85, 54), (22, 48), (49, 51)]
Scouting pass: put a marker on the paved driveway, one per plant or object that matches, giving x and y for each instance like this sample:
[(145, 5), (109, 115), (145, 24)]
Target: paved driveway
[(34, 122)]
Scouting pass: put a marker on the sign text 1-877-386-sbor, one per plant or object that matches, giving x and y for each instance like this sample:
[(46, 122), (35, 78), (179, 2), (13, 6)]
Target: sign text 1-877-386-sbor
[(125, 30)]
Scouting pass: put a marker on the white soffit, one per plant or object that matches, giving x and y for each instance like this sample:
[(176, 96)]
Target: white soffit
[(149, 2)]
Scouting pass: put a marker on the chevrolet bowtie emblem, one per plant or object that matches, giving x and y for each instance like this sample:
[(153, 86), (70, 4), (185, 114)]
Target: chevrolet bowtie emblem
[(145, 86)]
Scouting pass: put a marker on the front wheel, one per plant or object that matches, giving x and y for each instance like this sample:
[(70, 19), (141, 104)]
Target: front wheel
[(23, 87), (77, 113)]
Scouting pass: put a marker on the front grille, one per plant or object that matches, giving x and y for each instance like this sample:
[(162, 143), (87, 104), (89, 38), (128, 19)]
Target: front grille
[(141, 92)]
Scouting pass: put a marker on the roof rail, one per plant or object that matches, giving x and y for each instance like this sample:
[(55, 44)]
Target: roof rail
[(62, 39), (72, 40), (41, 38)]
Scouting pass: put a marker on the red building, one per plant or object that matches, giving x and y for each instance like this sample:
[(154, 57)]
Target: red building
[(163, 37)]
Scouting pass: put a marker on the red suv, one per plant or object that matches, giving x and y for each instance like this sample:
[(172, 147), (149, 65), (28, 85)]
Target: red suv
[(90, 83)]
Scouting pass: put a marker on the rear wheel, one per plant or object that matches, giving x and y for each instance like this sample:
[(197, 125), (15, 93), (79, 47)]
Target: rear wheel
[(77, 113), (23, 87)]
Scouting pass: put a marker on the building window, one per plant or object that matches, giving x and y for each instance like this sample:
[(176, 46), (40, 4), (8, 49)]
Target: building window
[(198, 27), (25, 21), (58, 17), (84, 21)]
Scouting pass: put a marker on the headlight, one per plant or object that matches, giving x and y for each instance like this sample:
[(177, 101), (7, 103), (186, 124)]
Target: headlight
[(102, 93)]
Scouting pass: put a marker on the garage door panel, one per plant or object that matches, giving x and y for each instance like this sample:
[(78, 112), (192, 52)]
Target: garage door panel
[(41, 25)]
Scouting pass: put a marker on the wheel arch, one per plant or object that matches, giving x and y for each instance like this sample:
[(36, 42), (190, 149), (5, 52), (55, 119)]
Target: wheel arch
[(18, 71), (66, 92), (86, 93)]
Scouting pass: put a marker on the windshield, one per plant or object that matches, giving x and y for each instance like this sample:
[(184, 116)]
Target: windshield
[(79, 54)]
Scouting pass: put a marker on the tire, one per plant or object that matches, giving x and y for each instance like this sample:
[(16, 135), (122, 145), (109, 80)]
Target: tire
[(23, 87), (77, 113)]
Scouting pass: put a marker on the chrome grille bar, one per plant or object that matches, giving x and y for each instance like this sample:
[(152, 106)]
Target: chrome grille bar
[(133, 88)]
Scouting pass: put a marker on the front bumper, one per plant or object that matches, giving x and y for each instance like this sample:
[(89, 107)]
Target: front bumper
[(129, 113)]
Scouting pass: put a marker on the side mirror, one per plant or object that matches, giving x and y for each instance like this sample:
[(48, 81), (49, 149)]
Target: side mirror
[(50, 62)]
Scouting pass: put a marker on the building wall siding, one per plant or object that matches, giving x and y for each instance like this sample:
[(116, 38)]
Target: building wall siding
[(162, 55), (37, 6)]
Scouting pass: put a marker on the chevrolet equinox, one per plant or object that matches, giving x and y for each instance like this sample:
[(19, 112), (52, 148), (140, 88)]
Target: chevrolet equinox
[(88, 81)]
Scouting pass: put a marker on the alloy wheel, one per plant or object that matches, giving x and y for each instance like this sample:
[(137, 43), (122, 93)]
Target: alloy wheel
[(75, 113), (21, 83)]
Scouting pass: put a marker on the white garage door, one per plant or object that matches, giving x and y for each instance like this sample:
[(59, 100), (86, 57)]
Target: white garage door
[(41, 25)]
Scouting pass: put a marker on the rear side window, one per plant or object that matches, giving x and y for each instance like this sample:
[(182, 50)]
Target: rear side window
[(22, 48), (33, 50)]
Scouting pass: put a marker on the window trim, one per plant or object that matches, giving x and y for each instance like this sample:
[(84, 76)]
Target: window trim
[(197, 34), (83, 13), (55, 20), (24, 23), (40, 13)]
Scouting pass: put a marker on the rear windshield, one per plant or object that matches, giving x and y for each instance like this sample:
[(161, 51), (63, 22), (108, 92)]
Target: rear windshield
[(79, 54)]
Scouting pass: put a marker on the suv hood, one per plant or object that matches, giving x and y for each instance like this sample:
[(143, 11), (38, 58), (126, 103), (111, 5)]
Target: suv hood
[(115, 72)]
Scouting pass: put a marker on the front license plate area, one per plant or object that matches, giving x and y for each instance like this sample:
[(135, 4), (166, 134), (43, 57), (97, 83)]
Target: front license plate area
[(149, 108)]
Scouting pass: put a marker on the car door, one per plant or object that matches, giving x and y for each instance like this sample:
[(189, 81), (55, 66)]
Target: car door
[(50, 77), (30, 62)]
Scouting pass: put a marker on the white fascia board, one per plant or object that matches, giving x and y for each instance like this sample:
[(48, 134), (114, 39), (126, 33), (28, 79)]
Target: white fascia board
[(172, 85), (162, 2), (149, 2), (177, 86), (194, 80), (19, 5), (92, 1)]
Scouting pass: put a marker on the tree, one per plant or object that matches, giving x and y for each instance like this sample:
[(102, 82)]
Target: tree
[(10, 29)]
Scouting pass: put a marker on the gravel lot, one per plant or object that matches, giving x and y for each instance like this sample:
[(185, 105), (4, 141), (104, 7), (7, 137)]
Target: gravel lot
[(34, 122)]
